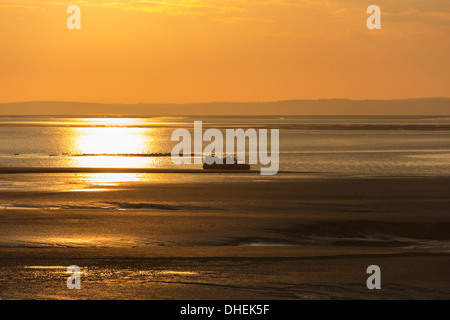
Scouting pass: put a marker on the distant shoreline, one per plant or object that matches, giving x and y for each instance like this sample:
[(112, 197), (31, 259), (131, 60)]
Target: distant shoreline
[(418, 106)]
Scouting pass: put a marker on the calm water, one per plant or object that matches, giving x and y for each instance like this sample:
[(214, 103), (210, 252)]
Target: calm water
[(320, 146), (336, 145)]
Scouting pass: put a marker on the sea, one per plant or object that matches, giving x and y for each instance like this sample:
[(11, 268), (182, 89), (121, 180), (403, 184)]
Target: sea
[(309, 146), (344, 145)]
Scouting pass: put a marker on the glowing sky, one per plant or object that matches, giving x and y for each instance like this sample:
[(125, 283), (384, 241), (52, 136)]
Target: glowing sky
[(223, 50)]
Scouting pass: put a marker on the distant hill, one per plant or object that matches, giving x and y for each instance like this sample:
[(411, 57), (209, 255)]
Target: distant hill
[(422, 106)]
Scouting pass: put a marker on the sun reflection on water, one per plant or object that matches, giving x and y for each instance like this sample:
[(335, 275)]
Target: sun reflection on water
[(108, 146), (114, 147), (112, 140), (112, 179), (115, 162)]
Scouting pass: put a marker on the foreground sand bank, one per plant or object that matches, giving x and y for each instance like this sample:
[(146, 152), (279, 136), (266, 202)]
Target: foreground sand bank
[(223, 273), (220, 238)]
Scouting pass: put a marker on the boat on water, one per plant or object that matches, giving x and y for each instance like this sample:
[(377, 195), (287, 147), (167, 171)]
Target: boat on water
[(215, 163)]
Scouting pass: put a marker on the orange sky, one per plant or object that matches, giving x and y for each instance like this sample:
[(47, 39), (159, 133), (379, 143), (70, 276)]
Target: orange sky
[(223, 50)]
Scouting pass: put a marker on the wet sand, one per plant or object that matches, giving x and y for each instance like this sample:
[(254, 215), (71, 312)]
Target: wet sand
[(283, 238), (223, 273)]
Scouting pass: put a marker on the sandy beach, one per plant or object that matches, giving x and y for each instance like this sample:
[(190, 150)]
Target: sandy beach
[(293, 237), (223, 273)]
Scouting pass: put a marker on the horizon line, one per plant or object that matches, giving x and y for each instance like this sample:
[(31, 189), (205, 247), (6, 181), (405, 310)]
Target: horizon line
[(209, 102)]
